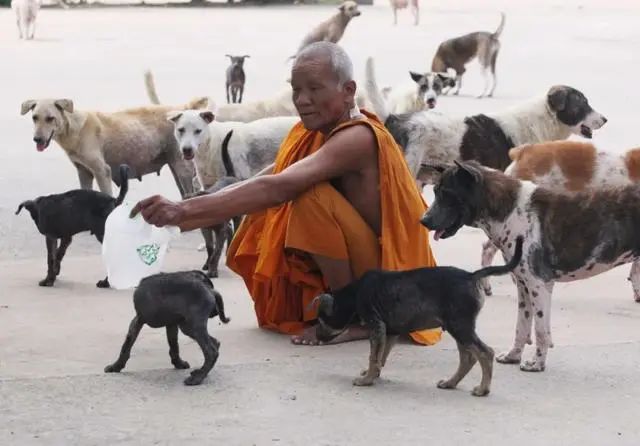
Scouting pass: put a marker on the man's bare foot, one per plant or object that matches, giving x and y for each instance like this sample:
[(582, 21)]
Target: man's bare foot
[(308, 336)]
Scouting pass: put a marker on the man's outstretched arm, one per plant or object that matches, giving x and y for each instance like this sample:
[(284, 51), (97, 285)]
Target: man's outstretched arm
[(347, 151)]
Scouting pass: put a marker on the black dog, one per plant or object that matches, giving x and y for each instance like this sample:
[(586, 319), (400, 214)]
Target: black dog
[(183, 299), (223, 232), (235, 78), (61, 216), (392, 303)]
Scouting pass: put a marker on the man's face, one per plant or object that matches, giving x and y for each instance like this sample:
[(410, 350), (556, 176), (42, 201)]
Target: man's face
[(317, 95)]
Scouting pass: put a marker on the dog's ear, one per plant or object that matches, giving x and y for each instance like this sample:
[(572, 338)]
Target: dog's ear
[(342, 7), (557, 97), (64, 105), (467, 173), (246, 56), (447, 80), (515, 153), (207, 116), (431, 173), (417, 77), (27, 106), (173, 116), (229, 56)]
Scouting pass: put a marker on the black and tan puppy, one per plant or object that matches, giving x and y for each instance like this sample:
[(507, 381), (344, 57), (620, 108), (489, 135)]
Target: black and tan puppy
[(184, 300), (61, 216), (393, 303)]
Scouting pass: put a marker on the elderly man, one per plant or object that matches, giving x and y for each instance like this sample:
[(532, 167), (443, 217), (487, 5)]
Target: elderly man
[(339, 200)]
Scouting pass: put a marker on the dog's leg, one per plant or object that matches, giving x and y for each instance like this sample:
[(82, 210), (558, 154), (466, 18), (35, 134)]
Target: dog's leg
[(240, 94), (467, 361), (102, 173), (634, 278), (458, 83), (391, 341), (395, 16), (377, 339), (174, 348), (125, 352), (221, 232), (416, 14), (523, 326), (227, 90), (52, 247), (494, 57), (62, 250), (485, 77), (207, 234), (209, 350), (488, 253), (484, 354), (183, 173), (541, 311), (84, 176)]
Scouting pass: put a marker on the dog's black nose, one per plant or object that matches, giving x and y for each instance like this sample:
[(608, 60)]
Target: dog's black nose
[(38, 140)]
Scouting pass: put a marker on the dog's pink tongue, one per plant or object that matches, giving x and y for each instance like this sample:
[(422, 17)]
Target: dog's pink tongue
[(40, 147), (438, 234)]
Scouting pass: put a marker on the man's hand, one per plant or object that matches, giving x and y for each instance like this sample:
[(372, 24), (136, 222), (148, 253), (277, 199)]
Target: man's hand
[(159, 211)]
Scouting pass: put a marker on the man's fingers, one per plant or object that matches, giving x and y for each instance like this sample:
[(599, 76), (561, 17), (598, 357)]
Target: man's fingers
[(143, 204)]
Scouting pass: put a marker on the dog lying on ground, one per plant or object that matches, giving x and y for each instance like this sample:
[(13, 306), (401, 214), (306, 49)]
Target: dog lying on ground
[(96, 143), (332, 29), (185, 300), (457, 52), (26, 14), (279, 105), (422, 94), (223, 232), (487, 138), (570, 166), (61, 216), (559, 245), (235, 79), (393, 303)]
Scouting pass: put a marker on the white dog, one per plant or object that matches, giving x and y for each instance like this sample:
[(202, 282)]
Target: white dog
[(26, 13)]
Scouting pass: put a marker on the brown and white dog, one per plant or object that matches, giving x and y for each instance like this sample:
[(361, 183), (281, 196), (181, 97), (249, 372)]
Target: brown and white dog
[(402, 4), (332, 29), (558, 245), (457, 52), (572, 167)]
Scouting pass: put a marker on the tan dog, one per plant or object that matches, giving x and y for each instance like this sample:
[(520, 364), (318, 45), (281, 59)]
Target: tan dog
[(402, 4), (332, 29), (96, 143), (572, 167)]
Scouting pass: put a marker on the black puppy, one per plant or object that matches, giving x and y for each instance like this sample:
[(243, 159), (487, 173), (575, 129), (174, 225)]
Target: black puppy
[(183, 299), (392, 303), (61, 216)]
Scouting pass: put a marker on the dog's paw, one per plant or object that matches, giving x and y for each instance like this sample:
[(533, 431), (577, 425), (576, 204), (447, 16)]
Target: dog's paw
[(180, 364), (532, 366), (205, 267), (194, 379), (113, 368), (363, 381), (480, 391), (213, 273), (446, 384), (46, 282), (508, 358)]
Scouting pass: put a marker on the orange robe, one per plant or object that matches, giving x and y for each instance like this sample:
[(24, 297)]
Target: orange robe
[(266, 250)]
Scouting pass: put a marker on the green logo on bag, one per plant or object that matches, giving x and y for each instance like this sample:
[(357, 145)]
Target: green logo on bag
[(149, 253)]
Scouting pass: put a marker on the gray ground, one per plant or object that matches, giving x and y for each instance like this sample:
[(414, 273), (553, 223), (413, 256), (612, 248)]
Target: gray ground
[(55, 342)]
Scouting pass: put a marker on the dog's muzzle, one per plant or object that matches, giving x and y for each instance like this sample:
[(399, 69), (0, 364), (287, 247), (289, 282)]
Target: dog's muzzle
[(188, 153), (42, 143)]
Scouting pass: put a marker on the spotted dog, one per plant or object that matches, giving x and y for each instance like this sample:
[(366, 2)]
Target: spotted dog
[(558, 247)]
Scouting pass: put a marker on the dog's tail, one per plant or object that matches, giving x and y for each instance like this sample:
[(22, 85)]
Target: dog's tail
[(505, 269), (124, 183), (150, 86), (373, 92), (220, 304), (226, 159), (498, 31)]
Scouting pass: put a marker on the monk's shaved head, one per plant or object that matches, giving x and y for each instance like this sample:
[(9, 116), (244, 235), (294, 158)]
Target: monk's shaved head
[(333, 54)]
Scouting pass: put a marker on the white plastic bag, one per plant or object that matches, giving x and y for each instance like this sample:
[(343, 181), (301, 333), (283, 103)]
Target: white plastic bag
[(133, 249)]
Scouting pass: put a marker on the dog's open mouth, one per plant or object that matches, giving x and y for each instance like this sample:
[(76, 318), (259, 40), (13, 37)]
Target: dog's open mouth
[(188, 154), (41, 146), (586, 131), (431, 103), (447, 232)]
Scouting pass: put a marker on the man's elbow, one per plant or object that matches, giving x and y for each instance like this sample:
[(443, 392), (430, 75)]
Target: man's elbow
[(279, 191)]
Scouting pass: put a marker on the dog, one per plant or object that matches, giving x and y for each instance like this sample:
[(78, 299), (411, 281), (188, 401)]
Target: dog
[(558, 247), (399, 302), (332, 29), (422, 94), (184, 300), (433, 137), (235, 79), (279, 105), (96, 143), (26, 14), (571, 167), (61, 216), (223, 232), (457, 52), (402, 4)]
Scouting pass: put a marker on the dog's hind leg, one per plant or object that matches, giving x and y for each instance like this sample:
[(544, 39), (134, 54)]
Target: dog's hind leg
[(52, 248), (541, 311), (377, 339), (241, 92), (488, 253), (174, 348), (125, 352), (467, 361), (207, 234), (221, 232), (494, 57), (391, 341), (523, 326), (634, 278), (198, 332), (62, 250), (484, 354), (183, 174)]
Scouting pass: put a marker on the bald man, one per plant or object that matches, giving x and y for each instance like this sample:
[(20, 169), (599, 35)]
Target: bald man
[(338, 201)]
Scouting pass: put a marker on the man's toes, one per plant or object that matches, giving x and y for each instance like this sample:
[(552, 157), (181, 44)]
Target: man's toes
[(480, 391), (112, 368), (446, 384), (180, 364)]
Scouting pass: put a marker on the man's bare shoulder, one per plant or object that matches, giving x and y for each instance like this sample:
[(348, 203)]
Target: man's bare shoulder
[(359, 139)]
